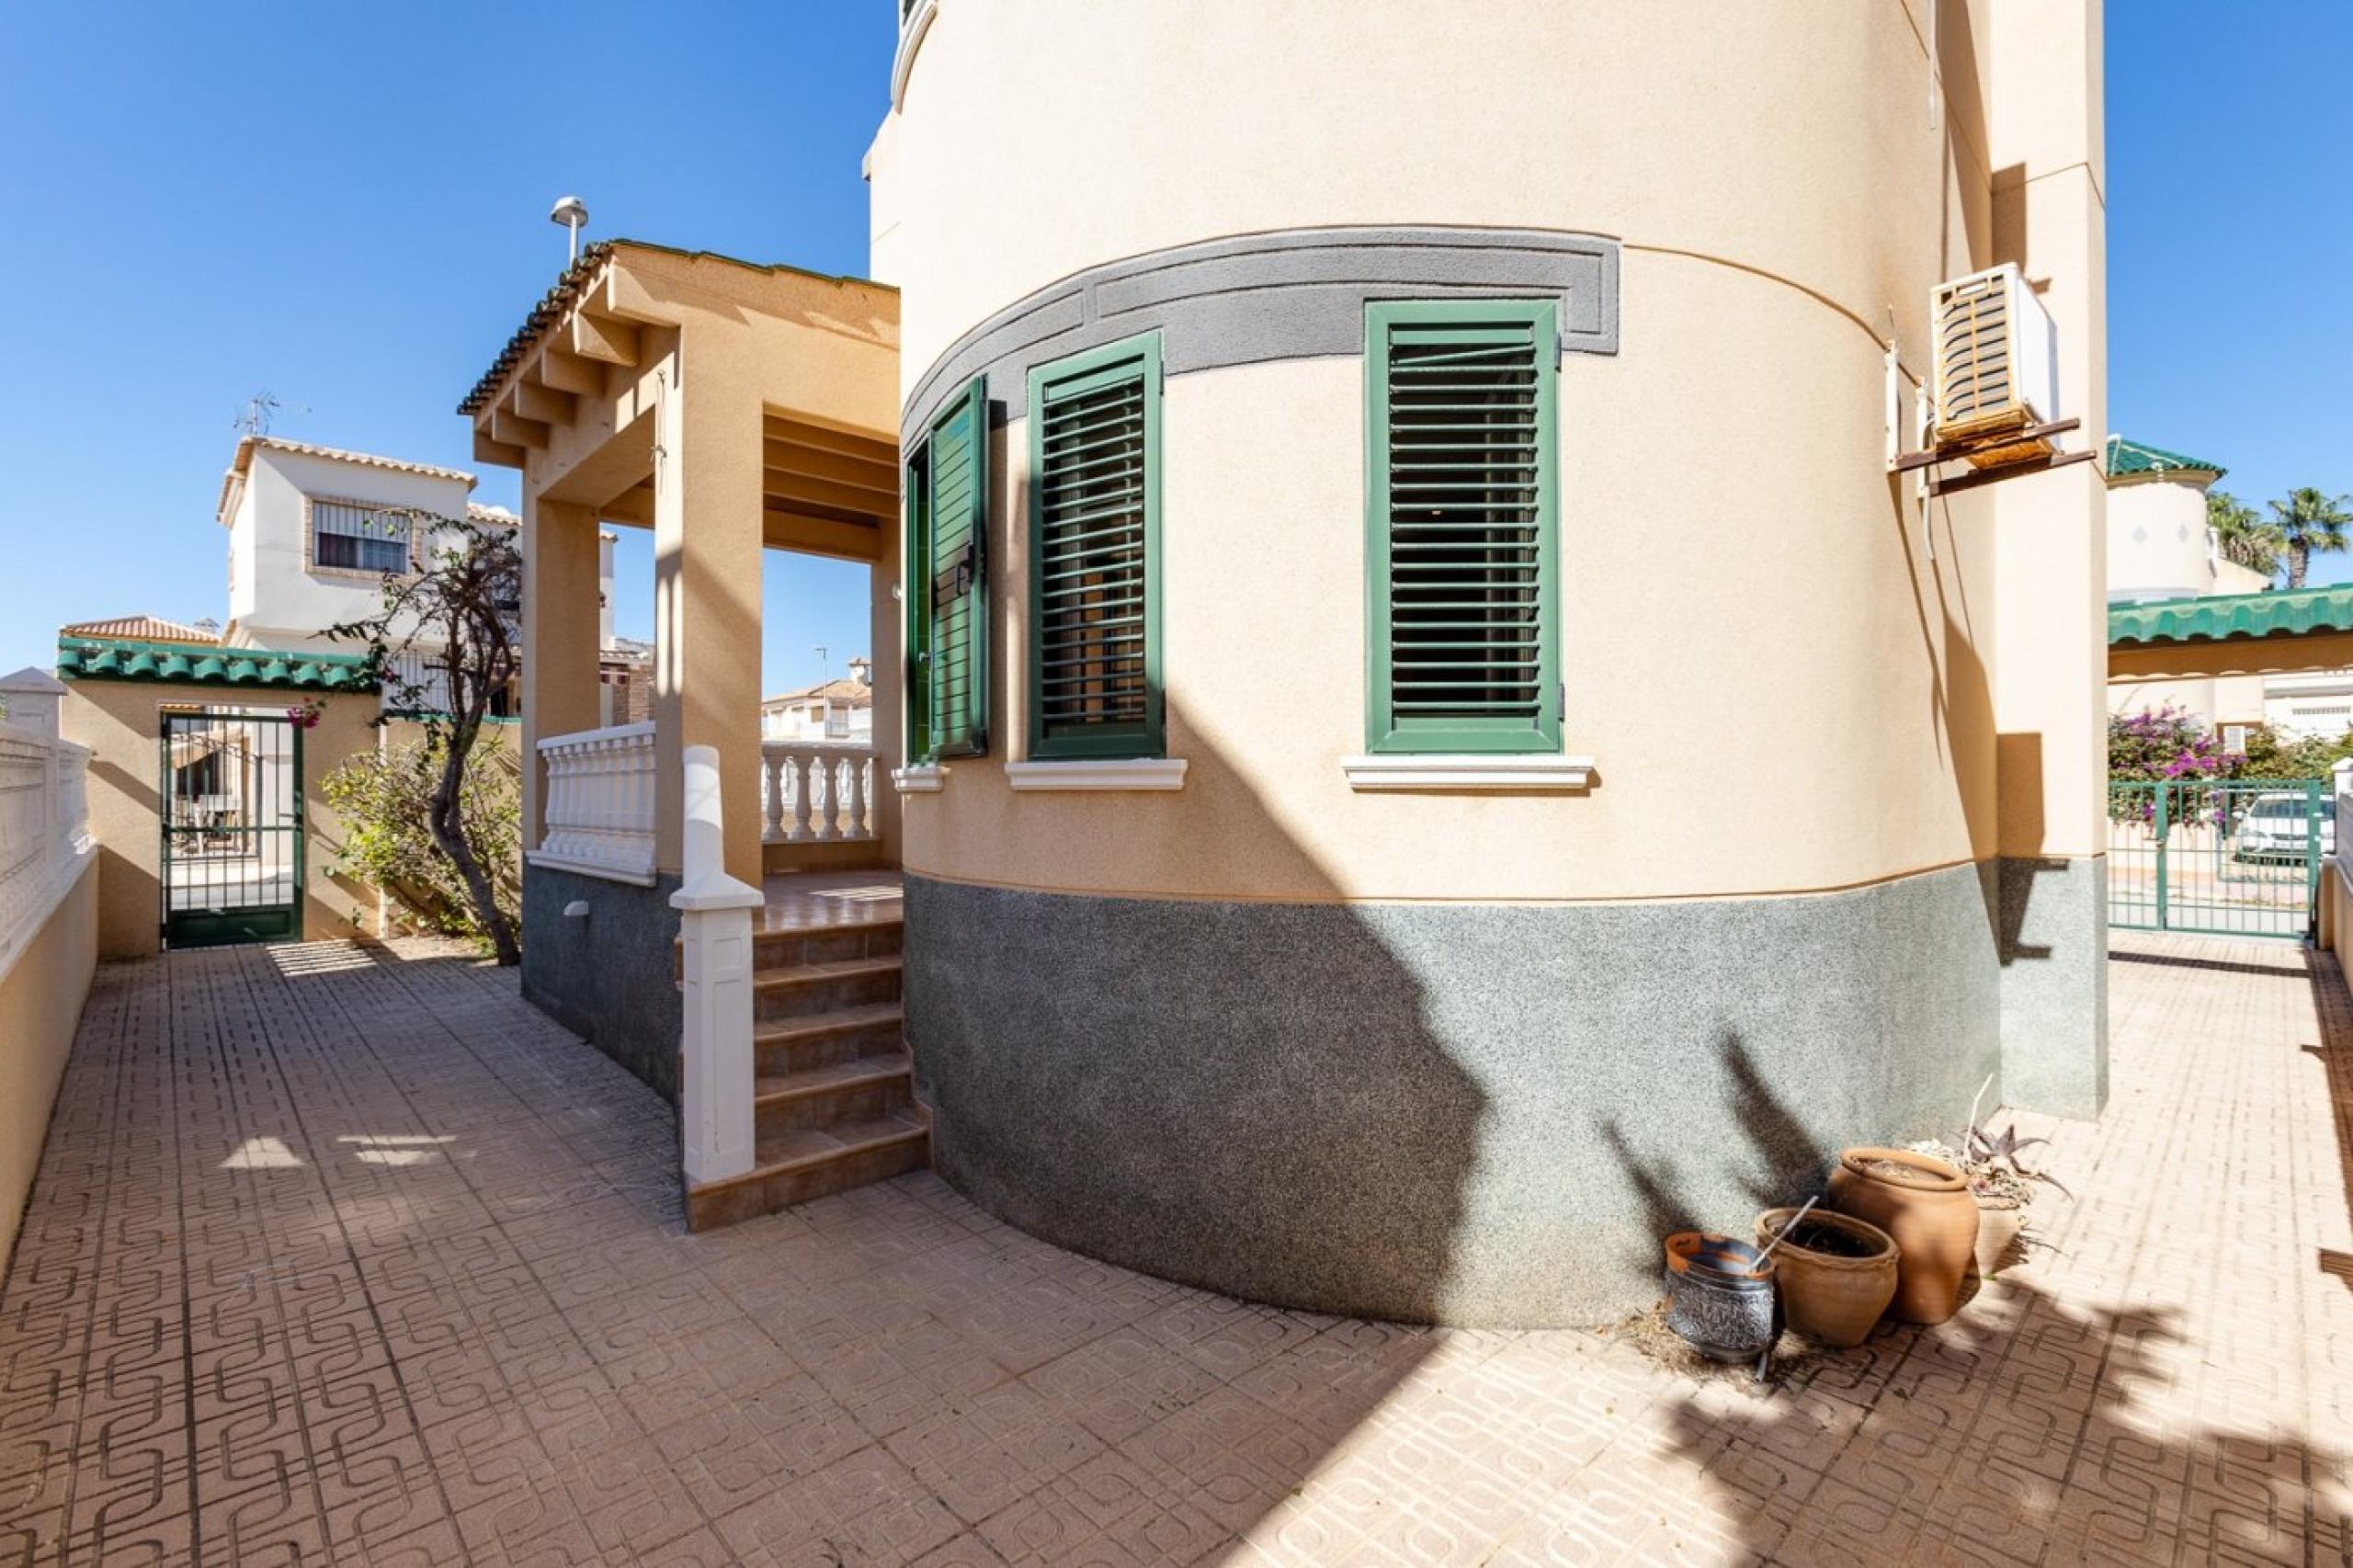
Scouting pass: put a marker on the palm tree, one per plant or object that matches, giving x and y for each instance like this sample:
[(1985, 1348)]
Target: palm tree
[(2242, 535), (2310, 521)]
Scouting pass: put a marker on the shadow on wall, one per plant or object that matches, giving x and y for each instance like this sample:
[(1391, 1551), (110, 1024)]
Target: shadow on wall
[(2334, 1006), (1786, 1164), (1419, 1111), (1247, 1097), (128, 884)]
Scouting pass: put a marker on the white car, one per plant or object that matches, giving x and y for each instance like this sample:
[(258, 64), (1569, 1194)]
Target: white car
[(2277, 826)]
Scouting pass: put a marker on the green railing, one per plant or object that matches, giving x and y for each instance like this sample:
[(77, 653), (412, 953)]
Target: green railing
[(2239, 858)]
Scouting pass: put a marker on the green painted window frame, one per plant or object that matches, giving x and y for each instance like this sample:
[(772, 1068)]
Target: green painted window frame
[(919, 573), (1131, 360), (1386, 731)]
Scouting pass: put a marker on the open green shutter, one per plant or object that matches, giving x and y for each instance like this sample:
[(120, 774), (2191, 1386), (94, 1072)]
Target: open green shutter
[(957, 600), (1095, 686), (914, 560), (1462, 532)]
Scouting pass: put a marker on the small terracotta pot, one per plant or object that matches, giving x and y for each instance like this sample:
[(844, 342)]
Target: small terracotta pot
[(1925, 1206), (1830, 1298), (1999, 1223)]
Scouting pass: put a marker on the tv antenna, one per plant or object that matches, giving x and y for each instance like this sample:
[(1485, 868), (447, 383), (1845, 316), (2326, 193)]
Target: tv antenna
[(254, 420)]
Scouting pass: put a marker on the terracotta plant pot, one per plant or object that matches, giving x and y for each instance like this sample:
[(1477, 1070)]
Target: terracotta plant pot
[(1719, 1298), (1925, 1206), (1836, 1274), (1999, 1221)]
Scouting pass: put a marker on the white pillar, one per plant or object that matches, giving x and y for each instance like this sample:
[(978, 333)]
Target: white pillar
[(715, 923), (31, 698)]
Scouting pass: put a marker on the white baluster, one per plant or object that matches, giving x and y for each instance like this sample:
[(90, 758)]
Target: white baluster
[(797, 764), (854, 820), (771, 797)]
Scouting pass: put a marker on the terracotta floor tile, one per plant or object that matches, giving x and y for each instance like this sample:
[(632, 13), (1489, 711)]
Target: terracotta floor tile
[(509, 1351)]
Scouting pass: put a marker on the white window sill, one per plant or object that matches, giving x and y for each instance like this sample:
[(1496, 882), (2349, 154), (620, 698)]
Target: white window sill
[(1098, 773), (1501, 770), (920, 779)]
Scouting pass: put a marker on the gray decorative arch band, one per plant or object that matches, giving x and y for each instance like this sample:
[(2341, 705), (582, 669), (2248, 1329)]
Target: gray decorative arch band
[(1291, 294)]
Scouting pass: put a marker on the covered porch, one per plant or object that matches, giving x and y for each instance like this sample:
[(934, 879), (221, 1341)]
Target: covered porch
[(731, 409)]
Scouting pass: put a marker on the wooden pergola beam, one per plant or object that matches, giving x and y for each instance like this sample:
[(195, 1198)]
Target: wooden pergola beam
[(603, 338), (819, 437), (791, 488), (515, 430), (785, 529), (812, 462)]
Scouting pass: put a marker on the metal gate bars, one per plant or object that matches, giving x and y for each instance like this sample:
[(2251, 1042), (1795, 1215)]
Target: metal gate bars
[(2237, 858), (232, 822)]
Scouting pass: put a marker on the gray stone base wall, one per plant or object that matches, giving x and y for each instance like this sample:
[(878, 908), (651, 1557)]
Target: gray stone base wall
[(1472, 1113), (2055, 984), (609, 977)]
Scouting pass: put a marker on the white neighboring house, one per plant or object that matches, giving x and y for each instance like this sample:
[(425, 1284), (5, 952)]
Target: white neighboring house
[(841, 712), (313, 531), (2160, 548)]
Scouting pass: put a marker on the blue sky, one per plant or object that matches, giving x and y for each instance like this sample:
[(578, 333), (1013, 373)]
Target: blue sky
[(345, 206)]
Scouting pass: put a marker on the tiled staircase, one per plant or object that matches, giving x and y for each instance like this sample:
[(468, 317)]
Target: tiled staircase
[(834, 1097)]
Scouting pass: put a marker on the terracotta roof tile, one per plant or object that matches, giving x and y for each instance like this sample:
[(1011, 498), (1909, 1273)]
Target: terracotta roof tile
[(140, 629)]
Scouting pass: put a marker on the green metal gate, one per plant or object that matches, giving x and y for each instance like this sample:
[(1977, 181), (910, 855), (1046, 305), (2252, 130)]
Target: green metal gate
[(232, 828), (2237, 859)]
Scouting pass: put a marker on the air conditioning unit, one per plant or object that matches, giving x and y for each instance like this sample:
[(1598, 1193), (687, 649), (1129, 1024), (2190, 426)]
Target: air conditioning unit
[(1996, 367)]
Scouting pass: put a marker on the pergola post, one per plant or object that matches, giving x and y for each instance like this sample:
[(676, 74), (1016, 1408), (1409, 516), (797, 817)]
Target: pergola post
[(560, 638), (708, 533)]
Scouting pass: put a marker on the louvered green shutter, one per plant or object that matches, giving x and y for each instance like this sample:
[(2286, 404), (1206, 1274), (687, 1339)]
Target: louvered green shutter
[(1095, 686), (1462, 528), (956, 674), (913, 559)]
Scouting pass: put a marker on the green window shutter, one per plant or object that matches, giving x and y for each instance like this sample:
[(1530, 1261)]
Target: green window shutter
[(1462, 526), (1095, 678), (913, 561), (956, 598)]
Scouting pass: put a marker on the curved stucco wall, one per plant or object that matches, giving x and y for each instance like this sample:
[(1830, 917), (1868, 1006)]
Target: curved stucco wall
[(1207, 1031), (1041, 137), (2157, 547), (1776, 681)]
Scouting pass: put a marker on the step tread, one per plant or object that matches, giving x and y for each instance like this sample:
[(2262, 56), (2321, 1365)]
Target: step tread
[(803, 1148), (821, 1026), (771, 976), (854, 1073)]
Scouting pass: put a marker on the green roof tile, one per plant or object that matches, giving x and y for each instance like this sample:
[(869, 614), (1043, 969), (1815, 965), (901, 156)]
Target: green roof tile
[(113, 658), (2126, 459), (2221, 615)]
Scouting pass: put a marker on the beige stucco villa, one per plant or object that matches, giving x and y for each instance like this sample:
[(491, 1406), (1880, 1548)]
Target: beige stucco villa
[(1453, 710)]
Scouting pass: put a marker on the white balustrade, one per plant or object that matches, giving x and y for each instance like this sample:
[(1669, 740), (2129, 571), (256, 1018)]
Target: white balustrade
[(815, 791), (599, 803), (44, 826)]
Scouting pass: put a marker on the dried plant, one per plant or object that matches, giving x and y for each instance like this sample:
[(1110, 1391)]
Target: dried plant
[(1990, 1160)]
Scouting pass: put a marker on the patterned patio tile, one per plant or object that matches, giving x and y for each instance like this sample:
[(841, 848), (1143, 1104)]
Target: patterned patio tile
[(346, 1255)]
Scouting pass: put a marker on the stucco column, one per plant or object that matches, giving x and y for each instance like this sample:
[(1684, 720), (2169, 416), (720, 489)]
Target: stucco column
[(560, 616), (707, 540), (2051, 574)]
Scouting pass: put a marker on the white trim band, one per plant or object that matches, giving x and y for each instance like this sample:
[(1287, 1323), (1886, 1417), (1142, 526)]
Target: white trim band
[(1098, 773), (601, 869), (920, 779), (1499, 770)]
